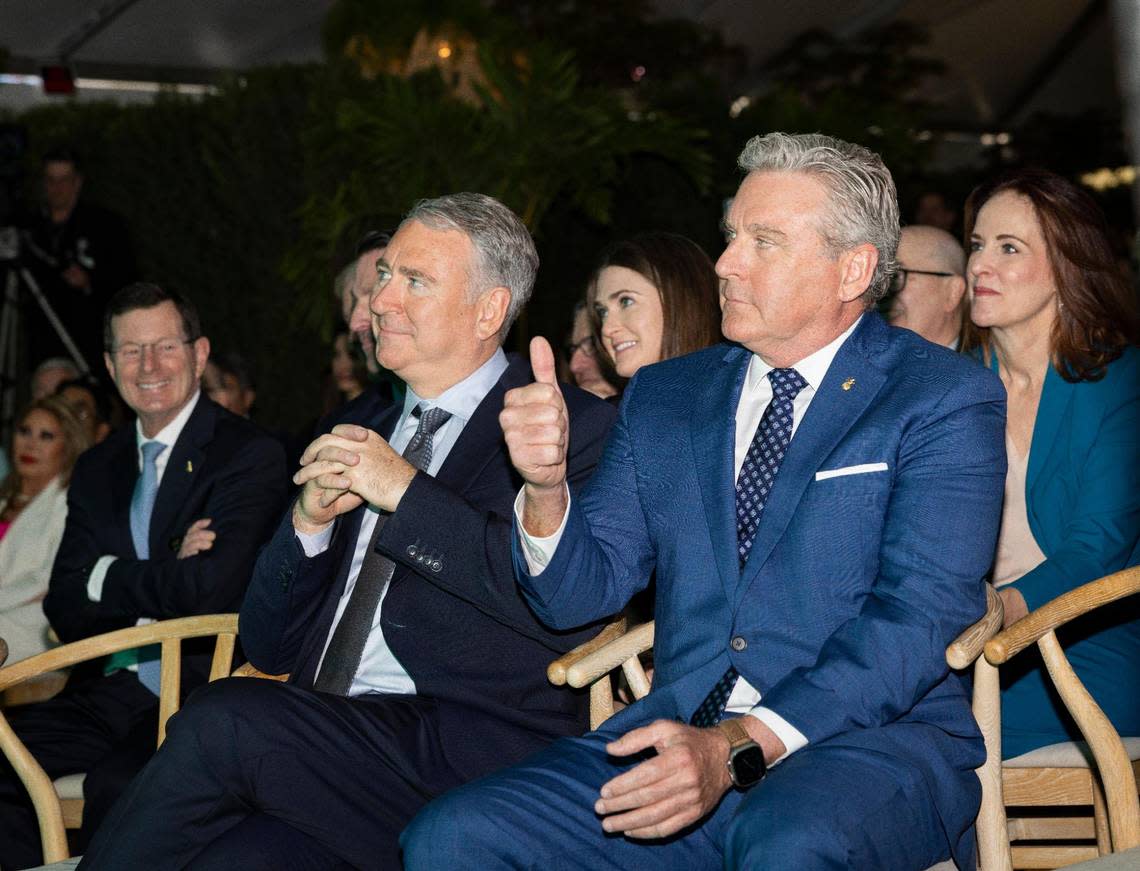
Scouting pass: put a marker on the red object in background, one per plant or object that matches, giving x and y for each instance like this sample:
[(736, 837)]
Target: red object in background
[(58, 80)]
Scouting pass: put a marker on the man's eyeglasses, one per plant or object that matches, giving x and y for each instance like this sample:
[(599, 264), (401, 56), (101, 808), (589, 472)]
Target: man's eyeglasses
[(163, 349), (899, 281), (587, 346)]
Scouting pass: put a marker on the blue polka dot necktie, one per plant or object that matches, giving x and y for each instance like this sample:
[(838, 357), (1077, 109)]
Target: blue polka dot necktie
[(755, 482)]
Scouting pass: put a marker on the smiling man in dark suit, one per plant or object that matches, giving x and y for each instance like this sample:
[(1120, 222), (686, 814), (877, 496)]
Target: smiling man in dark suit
[(387, 593), (164, 520)]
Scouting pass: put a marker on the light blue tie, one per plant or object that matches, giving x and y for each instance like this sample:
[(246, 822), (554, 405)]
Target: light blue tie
[(142, 506), (142, 502)]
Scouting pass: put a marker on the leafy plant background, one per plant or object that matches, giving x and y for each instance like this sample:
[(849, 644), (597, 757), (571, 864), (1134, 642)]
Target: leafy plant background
[(250, 200)]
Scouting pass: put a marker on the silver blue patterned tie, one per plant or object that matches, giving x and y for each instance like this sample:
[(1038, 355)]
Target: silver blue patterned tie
[(753, 484), (346, 647)]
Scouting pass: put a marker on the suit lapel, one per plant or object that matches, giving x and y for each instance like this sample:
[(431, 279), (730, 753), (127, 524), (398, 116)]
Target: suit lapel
[(482, 437), (1056, 394), (833, 411), (123, 486), (714, 445), (184, 468)]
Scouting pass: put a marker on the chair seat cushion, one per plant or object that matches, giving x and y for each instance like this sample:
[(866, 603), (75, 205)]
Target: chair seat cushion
[(69, 786), (1129, 860), (1068, 754)]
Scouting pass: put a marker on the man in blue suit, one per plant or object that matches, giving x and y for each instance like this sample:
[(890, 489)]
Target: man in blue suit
[(820, 503)]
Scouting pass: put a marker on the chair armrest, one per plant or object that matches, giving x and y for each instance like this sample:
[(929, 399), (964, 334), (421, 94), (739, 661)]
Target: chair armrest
[(1087, 597), (608, 657), (967, 647), (556, 671), (248, 670), (111, 642)]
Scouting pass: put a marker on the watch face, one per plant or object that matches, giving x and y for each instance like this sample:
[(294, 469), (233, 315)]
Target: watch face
[(748, 766)]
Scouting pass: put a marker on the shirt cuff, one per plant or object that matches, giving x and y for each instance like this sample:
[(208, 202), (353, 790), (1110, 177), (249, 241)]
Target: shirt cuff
[(317, 543), (792, 737), (539, 551), (97, 576)]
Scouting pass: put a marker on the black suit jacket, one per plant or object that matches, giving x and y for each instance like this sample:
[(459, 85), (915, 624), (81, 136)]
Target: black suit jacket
[(222, 467), (452, 615)]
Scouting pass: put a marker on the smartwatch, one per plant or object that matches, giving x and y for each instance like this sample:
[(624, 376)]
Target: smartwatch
[(746, 764)]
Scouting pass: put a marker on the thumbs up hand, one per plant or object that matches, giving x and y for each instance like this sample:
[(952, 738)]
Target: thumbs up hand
[(536, 427)]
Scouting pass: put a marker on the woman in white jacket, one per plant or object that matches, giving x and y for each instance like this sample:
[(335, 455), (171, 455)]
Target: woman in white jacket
[(33, 509)]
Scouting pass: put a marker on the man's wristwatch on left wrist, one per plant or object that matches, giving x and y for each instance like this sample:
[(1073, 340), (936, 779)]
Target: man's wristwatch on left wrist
[(746, 765)]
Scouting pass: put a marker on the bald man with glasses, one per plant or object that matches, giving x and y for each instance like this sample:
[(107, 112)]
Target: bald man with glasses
[(928, 294)]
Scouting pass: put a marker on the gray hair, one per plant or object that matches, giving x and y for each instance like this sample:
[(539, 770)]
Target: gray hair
[(505, 255), (63, 363), (865, 207)]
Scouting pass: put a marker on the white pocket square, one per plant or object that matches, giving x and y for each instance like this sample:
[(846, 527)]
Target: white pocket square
[(861, 469)]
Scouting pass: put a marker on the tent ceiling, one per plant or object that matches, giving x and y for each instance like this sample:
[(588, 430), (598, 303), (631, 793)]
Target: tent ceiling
[(1005, 58)]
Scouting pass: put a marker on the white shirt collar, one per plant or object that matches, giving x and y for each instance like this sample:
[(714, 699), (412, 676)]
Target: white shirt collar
[(463, 398), (812, 368), (169, 434)]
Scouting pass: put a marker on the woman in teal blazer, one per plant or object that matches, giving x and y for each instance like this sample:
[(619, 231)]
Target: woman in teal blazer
[(1060, 326)]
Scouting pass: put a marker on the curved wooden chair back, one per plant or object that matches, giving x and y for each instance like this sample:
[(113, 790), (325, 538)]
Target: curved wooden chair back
[(50, 811), (1110, 785)]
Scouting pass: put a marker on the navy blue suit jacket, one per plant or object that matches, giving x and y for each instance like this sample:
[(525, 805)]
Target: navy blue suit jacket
[(454, 619), (856, 582), (222, 467)]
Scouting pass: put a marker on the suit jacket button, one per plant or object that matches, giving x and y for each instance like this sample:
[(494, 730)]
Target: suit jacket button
[(738, 643), (436, 566), (413, 551)]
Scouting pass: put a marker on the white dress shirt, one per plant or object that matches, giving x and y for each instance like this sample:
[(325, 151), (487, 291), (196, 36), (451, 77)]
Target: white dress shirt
[(168, 435), (755, 396), (379, 670)]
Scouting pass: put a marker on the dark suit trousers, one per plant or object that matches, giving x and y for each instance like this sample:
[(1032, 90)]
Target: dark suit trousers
[(105, 727), (255, 772)]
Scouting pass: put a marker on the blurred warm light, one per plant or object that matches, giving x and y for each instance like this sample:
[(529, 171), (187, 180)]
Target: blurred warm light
[(739, 105), (1105, 179), (444, 50), (989, 140), (637, 73)]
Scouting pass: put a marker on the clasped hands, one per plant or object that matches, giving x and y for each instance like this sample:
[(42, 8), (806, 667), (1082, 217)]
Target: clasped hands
[(343, 469)]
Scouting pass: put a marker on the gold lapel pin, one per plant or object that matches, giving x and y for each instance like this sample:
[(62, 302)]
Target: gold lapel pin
[(849, 383), (190, 465)]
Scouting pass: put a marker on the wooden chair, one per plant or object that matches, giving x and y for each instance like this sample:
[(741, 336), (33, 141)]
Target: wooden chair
[(1060, 776), (590, 665), (1112, 822), (59, 805)]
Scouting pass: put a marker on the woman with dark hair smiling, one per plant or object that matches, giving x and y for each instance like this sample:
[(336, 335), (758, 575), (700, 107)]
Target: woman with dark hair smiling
[(654, 297), (1060, 326)]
